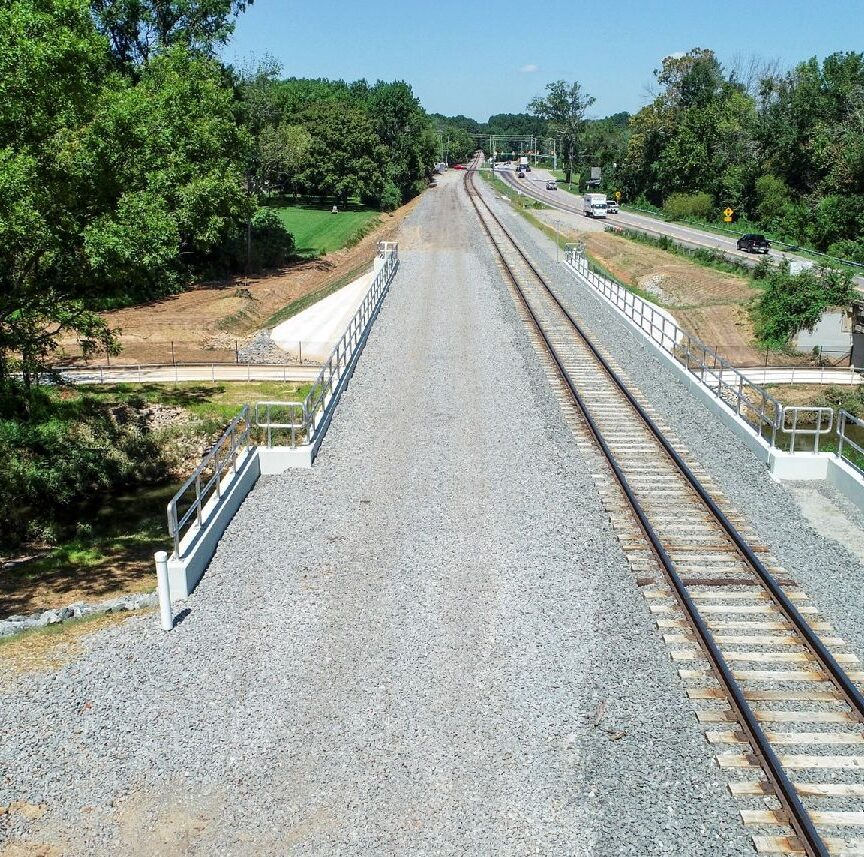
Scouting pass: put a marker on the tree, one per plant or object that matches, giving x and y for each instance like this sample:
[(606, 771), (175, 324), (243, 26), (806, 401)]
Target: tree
[(564, 109), (793, 302), (51, 65), (136, 29), (404, 129), (166, 158), (282, 154), (109, 186), (697, 135), (346, 157)]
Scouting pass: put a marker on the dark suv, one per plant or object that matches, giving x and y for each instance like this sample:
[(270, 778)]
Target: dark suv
[(753, 244)]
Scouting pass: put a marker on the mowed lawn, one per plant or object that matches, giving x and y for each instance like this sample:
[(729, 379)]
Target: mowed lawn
[(317, 230)]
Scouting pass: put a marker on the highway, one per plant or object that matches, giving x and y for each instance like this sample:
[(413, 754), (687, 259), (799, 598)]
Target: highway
[(534, 185)]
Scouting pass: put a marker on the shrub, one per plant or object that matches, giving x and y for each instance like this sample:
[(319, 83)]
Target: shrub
[(683, 205), (850, 399), (391, 198), (272, 246), (773, 198), (848, 249), (68, 456), (834, 218), (793, 302), (272, 243)]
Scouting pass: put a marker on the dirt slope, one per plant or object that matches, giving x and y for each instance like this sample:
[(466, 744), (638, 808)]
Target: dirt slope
[(205, 323)]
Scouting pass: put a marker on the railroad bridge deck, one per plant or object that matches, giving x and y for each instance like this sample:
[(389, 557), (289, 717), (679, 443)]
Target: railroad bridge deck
[(431, 642)]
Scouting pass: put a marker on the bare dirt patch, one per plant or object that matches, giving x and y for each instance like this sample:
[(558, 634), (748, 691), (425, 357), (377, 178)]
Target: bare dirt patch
[(206, 323), (708, 303), (120, 573)]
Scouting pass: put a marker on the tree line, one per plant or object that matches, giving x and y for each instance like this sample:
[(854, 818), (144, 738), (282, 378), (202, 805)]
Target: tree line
[(132, 161), (782, 148)]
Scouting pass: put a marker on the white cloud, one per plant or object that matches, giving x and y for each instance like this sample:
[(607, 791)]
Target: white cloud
[(677, 55), (528, 69)]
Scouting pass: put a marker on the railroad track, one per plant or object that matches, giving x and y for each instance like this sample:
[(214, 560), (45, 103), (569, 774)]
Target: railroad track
[(766, 675)]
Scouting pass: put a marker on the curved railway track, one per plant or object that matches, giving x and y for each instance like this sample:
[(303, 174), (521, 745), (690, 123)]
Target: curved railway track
[(766, 676)]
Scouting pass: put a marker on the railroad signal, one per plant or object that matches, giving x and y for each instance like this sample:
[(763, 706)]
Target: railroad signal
[(727, 215)]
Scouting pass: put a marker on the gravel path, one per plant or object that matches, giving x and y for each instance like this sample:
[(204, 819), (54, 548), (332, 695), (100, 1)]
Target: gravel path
[(428, 644), (828, 571)]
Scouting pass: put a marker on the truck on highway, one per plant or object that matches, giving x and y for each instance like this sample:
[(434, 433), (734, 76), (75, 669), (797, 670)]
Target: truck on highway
[(594, 204), (523, 162)]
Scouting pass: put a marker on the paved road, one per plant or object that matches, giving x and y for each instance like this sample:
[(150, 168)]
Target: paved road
[(534, 185), (175, 374)]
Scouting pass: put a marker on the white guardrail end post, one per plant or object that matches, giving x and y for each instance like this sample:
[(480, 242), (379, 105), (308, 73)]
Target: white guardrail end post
[(162, 588)]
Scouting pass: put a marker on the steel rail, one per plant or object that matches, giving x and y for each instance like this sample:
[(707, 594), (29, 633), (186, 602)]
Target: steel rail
[(844, 683), (799, 817)]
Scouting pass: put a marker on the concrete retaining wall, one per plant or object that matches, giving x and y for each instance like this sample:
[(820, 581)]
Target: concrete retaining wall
[(199, 544)]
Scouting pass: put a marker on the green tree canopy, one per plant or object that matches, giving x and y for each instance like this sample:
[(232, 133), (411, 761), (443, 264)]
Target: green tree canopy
[(563, 108), (136, 29), (346, 157), (51, 63), (697, 134), (109, 185)]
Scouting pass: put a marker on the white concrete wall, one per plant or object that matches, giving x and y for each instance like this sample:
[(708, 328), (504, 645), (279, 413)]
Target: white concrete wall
[(199, 544), (832, 331)]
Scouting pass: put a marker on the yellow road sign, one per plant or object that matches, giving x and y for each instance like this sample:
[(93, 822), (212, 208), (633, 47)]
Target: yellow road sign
[(618, 195), (727, 215)]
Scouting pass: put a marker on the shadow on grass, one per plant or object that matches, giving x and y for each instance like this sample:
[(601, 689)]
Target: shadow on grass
[(115, 557)]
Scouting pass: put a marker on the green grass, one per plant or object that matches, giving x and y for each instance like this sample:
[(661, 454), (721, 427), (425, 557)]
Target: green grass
[(705, 257), (206, 401), (313, 297), (124, 524), (318, 231), (519, 200)]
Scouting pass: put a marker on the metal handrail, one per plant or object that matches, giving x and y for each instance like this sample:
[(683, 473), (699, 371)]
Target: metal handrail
[(312, 412), (222, 457), (341, 356), (727, 383), (843, 419), (818, 430), (264, 419)]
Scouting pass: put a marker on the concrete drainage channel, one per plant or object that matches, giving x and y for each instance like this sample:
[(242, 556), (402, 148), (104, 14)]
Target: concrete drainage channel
[(752, 413), (201, 510)]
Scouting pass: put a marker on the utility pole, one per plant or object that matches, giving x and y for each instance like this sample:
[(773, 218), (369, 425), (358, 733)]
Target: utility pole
[(248, 231)]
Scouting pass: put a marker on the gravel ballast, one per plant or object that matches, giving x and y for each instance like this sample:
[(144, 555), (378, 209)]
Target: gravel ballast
[(831, 574), (430, 643)]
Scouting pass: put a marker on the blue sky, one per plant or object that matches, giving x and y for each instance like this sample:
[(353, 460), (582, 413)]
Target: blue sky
[(462, 58)]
